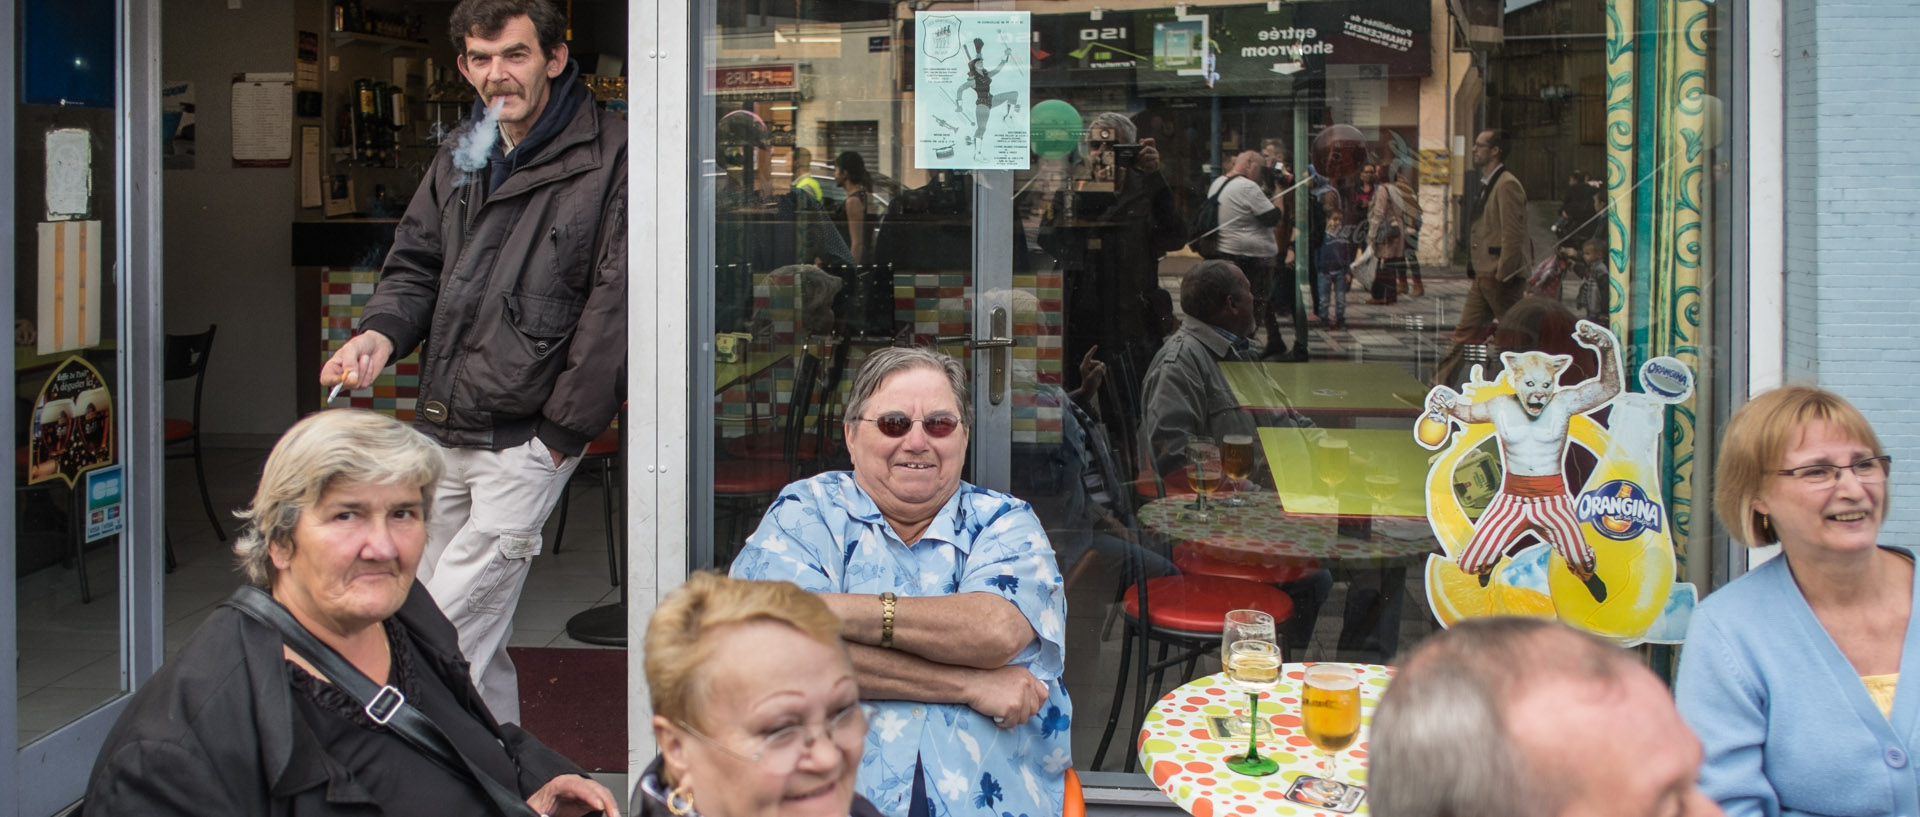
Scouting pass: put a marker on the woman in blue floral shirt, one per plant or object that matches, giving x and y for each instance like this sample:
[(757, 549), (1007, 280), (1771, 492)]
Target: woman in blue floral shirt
[(950, 597)]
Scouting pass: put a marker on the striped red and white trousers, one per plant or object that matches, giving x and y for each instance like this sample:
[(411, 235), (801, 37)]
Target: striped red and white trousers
[(1537, 504)]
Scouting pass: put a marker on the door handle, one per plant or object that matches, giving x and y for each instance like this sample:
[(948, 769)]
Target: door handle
[(999, 344)]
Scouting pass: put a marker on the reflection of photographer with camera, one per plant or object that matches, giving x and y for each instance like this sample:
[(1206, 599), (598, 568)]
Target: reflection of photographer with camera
[(1107, 232)]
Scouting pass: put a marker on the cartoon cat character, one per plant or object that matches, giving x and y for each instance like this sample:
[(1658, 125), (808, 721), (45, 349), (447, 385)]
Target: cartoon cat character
[(1531, 425)]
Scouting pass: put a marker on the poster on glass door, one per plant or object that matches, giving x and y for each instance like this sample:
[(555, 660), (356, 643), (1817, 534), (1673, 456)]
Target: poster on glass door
[(974, 85)]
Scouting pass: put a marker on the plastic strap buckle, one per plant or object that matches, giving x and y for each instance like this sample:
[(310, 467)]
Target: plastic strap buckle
[(385, 704)]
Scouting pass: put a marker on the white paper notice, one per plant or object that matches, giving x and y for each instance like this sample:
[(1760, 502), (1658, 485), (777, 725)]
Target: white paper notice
[(973, 86), (263, 124), (310, 193), (69, 173)]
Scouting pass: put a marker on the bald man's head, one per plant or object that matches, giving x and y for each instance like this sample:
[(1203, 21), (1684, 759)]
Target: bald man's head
[(1505, 717)]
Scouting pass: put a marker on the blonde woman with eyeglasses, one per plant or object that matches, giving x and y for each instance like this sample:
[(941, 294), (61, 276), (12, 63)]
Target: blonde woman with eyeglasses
[(755, 706), (1795, 676)]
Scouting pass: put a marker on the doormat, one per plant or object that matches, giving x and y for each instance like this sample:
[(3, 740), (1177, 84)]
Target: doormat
[(575, 701)]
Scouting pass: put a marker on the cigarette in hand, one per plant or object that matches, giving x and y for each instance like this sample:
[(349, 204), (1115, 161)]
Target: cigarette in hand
[(337, 386)]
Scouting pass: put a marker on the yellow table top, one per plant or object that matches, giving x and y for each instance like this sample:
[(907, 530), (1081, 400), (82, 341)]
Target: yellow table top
[(728, 375), (1387, 460), (1362, 389), (29, 357)]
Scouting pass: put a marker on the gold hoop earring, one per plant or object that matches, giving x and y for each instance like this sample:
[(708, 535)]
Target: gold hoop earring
[(678, 802), (1766, 528)]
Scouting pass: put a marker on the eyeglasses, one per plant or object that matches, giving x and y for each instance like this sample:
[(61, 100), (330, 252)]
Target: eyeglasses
[(896, 424), (1869, 471), (781, 750)]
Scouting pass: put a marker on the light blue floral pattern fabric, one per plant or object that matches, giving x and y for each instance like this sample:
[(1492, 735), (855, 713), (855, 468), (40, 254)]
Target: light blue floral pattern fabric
[(826, 535)]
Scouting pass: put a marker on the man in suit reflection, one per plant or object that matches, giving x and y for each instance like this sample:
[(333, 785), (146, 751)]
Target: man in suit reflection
[(1501, 252)]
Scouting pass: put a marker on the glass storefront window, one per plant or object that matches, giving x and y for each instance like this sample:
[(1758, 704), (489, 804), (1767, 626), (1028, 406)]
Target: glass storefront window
[(921, 173), (69, 489)]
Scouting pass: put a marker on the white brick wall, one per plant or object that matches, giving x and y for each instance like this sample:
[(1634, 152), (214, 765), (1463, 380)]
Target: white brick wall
[(1853, 220)]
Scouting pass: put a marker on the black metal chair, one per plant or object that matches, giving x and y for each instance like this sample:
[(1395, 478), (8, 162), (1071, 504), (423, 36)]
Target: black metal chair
[(186, 357), (742, 488), (603, 457), (1183, 611)]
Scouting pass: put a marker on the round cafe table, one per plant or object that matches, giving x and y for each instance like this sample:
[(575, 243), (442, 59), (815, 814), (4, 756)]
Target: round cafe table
[(1189, 764), (1260, 531)]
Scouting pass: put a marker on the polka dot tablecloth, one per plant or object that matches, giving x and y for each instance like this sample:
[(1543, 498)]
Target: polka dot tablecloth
[(1260, 529), (1188, 764)]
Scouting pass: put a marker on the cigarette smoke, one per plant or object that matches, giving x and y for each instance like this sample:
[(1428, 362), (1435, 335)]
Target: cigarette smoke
[(470, 154)]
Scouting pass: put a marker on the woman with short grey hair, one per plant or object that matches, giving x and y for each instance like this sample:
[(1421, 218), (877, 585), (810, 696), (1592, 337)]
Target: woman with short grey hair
[(244, 720), (895, 359), (349, 447)]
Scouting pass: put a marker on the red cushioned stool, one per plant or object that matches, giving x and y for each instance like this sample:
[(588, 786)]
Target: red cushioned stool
[(1217, 558), (1184, 611)]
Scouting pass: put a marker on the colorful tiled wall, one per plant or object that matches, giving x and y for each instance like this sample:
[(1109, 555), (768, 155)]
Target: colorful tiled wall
[(345, 294)]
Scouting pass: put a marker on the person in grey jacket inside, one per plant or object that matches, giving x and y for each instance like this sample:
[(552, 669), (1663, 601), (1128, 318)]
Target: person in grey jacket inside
[(239, 724), (508, 274)]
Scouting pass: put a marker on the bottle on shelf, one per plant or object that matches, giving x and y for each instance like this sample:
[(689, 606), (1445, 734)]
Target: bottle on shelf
[(363, 119), (343, 128), (397, 108), (339, 15), (382, 121)]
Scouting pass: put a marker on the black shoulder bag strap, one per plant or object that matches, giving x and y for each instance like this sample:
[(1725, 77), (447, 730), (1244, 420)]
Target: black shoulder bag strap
[(384, 704)]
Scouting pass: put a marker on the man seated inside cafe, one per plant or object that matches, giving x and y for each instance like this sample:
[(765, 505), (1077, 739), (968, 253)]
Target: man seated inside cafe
[(949, 596), (1187, 396), (1521, 717)]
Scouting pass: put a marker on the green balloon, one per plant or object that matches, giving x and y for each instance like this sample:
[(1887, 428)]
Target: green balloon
[(1056, 128)]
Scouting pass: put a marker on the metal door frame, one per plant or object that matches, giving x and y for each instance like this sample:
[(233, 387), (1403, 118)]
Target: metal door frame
[(51, 773)]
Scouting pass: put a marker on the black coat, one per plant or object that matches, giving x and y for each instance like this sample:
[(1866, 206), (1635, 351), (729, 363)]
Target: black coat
[(518, 303), (216, 732)]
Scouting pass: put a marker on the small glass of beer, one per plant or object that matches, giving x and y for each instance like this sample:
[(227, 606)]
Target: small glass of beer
[(1382, 486), (1203, 473), (1236, 458), (1331, 459), (1330, 710)]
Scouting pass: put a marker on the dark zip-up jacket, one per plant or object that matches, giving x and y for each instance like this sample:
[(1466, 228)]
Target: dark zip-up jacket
[(516, 298), (216, 732)]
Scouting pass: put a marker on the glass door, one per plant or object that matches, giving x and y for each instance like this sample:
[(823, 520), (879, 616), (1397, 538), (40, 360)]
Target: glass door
[(1023, 186), (82, 613)]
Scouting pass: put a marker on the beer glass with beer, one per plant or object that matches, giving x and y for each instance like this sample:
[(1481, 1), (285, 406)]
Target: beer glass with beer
[(1331, 459), (1251, 653), (1236, 459), (1382, 486), (1330, 710), (1203, 473)]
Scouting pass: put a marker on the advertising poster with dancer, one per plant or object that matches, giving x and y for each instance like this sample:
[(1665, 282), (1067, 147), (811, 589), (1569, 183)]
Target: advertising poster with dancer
[(1597, 553), (974, 85)]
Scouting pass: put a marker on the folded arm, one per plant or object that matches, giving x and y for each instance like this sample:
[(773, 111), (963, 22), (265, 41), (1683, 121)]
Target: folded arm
[(978, 630), (1010, 695)]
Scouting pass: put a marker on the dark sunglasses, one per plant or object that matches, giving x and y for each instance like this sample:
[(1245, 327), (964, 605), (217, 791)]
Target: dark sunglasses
[(896, 424)]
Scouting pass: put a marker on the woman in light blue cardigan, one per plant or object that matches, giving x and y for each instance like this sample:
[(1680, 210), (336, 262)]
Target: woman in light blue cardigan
[(1790, 672)]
